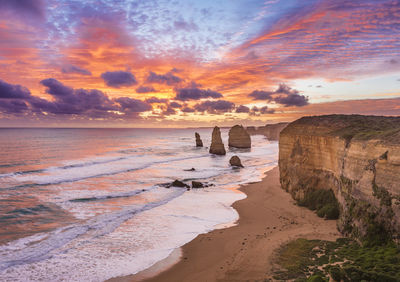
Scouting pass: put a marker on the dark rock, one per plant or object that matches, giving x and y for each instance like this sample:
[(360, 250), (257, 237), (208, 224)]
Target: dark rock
[(199, 142), (235, 161), (217, 147), (178, 183), (196, 184)]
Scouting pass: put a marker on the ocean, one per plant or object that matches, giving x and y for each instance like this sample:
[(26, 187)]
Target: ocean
[(89, 204)]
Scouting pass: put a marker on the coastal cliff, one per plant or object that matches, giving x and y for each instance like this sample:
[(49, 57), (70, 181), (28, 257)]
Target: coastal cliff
[(271, 131), (358, 158)]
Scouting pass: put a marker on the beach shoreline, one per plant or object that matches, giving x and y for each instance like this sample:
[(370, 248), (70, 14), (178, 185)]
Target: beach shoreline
[(268, 218)]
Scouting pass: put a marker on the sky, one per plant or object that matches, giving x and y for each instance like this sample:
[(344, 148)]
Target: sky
[(185, 63)]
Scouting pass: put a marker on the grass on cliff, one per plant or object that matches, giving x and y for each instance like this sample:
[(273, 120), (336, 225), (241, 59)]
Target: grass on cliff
[(322, 201), (343, 260), (351, 127), (366, 127)]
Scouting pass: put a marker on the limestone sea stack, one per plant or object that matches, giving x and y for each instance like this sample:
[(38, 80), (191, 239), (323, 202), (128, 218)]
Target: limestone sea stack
[(239, 138), (235, 162), (217, 147), (199, 142)]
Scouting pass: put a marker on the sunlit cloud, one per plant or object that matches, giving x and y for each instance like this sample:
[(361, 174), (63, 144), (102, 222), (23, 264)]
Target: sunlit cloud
[(195, 61)]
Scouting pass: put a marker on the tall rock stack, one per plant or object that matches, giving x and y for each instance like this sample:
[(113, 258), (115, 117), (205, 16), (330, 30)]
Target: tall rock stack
[(217, 147), (199, 143), (239, 138)]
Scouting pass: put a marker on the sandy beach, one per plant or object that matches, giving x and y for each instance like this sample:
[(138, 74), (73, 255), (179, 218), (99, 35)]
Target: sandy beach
[(268, 219)]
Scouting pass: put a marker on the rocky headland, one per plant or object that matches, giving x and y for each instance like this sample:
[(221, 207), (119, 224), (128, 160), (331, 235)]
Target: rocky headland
[(271, 131), (357, 160)]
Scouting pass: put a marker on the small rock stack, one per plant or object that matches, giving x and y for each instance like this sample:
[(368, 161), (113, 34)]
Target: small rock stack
[(217, 147), (235, 162), (239, 138), (199, 143)]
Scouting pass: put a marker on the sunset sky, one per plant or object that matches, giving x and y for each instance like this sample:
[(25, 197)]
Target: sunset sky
[(160, 63)]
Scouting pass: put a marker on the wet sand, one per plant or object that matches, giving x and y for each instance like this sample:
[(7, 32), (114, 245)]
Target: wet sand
[(268, 219)]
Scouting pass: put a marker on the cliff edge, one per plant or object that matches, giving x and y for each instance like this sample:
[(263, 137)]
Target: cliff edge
[(358, 158)]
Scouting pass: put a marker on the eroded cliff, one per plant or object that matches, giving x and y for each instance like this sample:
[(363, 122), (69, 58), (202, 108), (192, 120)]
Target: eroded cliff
[(358, 158), (271, 131)]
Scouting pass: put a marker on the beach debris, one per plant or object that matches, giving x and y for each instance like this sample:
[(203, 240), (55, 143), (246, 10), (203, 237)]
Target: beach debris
[(190, 169), (199, 143), (238, 137), (217, 147), (235, 161), (197, 184)]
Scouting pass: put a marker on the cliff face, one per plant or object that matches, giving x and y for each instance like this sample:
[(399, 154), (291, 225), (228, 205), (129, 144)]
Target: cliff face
[(271, 131), (358, 157)]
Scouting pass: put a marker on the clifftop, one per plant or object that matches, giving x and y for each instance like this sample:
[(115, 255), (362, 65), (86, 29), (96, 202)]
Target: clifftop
[(348, 127)]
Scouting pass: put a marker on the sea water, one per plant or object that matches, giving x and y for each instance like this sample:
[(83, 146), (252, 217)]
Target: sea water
[(90, 204)]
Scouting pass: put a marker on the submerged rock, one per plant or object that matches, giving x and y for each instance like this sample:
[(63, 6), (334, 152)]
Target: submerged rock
[(239, 138), (217, 147), (178, 183), (197, 184), (199, 143), (235, 161)]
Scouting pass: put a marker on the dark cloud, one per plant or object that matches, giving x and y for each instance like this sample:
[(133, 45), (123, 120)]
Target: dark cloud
[(220, 106), (145, 89), (187, 110), (90, 103), (75, 69), (33, 8), (284, 95), (266, 110), (118, 78), (56, 88), (185, 94), (153, 100), (242, 109), (169, 111), (256, 111), (261, 95), (263, 110), (133, 105), (169, 78), (12, 91), (13, 106), (175, 105)]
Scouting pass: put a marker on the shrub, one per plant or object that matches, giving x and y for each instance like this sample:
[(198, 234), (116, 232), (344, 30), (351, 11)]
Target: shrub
[(335, 273), (316, 278), (329, 211), (324, 201)]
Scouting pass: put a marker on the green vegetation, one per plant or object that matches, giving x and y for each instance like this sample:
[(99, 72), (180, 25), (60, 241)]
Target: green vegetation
[(351, 127), (322, 201), (343, 260)]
